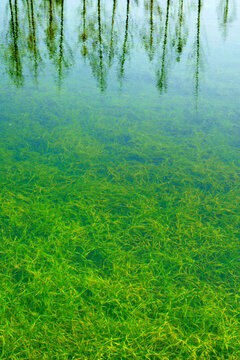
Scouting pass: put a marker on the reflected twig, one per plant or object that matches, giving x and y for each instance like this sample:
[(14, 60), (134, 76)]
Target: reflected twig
[(60, 60), (197, 53), (123, 56), (162, 74), (15, 64), (111, 47)]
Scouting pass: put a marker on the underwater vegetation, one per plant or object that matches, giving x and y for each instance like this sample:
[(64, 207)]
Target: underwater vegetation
[(119, 208), (119, 239)]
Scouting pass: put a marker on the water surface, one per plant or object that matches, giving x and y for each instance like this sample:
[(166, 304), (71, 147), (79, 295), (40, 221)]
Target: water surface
[(120, 158)]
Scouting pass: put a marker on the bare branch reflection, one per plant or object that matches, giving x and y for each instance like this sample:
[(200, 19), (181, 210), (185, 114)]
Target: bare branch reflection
[(226, 15), (13, 54), (107, 34)]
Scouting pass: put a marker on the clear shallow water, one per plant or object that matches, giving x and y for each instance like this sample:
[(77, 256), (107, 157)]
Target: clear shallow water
[(119, 177)]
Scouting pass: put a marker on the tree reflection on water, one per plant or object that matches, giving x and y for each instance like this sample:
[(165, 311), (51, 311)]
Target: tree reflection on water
[(107, 34)]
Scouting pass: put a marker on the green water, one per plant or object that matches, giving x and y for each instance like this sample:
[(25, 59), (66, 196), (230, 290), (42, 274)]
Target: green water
[(119, 179)]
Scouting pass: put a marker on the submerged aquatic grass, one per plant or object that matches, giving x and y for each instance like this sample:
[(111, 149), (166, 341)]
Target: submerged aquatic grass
[(117, 243), (119, 203)]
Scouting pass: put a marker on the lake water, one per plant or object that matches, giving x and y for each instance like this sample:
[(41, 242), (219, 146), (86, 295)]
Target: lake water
[(119, 179)]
